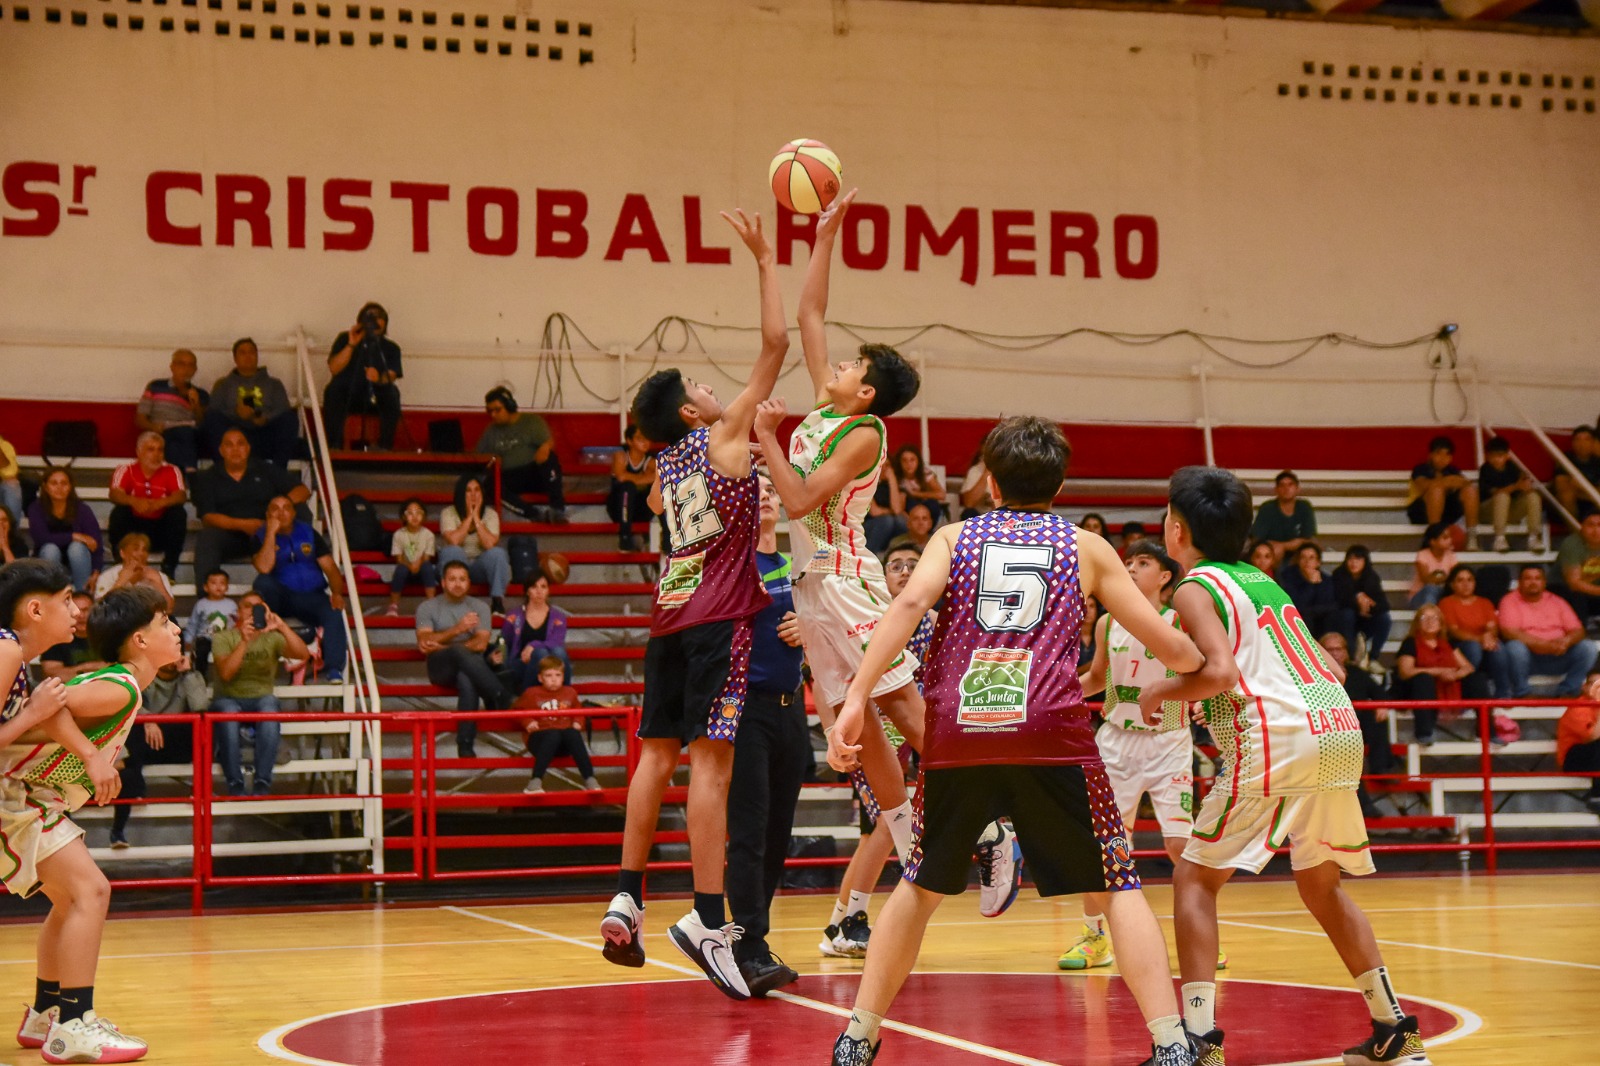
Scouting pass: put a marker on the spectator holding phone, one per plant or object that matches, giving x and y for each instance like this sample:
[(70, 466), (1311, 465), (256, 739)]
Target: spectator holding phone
[(244, 674)]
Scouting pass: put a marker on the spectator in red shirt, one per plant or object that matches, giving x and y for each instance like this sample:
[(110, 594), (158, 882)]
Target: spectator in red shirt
[(1473, 626), (1428, 668), (148, 496), (1542, 630), (1578, 739), (549, 736)]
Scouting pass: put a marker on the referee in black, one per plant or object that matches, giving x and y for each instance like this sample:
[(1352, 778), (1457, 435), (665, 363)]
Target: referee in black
[(770, 754)]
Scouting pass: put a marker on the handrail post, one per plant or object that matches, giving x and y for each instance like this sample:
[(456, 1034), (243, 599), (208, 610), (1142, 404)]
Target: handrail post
[(924, 435), (1205, 412), (1486, 767), (201, 829)]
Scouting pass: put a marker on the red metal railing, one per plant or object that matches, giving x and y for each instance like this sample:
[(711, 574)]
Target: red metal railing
[(424, 801)]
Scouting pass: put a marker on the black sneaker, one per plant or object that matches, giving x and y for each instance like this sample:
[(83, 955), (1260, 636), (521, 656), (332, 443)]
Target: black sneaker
[(1207, 1049), (1399, 1042), (1173, 1055), (848, 1052), (855, 932), (765, 973), (622, 929)]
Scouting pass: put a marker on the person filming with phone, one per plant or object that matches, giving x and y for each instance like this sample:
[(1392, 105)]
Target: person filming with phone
[(244, 671)]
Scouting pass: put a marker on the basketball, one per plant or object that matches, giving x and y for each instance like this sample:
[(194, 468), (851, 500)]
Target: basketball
[(555, 567), (805, 176)]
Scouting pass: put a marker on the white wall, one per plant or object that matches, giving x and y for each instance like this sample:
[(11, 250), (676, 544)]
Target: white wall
[(1278, 217)]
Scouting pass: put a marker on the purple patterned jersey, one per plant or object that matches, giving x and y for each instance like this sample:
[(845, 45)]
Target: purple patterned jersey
[(713, 523), (1001, 679), (17, 695)]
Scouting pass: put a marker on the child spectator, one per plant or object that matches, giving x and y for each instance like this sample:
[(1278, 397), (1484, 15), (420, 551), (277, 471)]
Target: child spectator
[(1428, 668), (1578, 740), (1511, 493), (1362, 614), (633, 471), (1441, 493), (548, 736), (134, 569), (534, 632), (1309, 588), (177, 689), (1473, 626), (212, 613), (13, 545), (65, 531), (1433, 563), (413, 549)]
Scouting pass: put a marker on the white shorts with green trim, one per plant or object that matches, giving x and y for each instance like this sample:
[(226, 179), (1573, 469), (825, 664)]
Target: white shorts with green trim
[(1140, 761), (1241, 833), (837, 616), (33, 826)]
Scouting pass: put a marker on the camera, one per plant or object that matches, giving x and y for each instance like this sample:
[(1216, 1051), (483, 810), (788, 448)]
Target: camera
[(371, 322)]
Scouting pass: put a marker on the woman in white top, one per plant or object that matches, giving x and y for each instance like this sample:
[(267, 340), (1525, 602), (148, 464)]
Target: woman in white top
[(469, 531)]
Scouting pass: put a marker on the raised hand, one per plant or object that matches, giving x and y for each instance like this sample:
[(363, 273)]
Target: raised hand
[(748, 227), (769, 413), (832, 218)]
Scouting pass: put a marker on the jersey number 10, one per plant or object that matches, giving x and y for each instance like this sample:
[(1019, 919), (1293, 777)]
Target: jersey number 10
[(1293, 638)]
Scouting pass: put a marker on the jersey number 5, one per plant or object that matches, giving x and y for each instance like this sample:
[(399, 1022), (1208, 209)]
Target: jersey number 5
[(691, 514), (1011, 585)]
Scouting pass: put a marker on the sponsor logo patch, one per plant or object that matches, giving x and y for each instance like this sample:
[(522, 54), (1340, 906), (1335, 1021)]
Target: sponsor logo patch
[(994, 690), (1121, 852)]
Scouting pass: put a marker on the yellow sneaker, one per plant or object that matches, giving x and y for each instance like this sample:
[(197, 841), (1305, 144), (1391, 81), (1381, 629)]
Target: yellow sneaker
[(1222, 960), (1090, 950)]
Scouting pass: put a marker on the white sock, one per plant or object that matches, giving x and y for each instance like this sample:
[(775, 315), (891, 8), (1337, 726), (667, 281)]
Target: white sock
[(1381, 1000), (1199, 1006), (858, 902), (900, 828), (839, 911), (1095, 923), (863, 1025), (1168, 1031)]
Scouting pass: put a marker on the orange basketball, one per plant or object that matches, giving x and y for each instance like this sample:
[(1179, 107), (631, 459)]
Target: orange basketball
[(555, 567), (805, 176)]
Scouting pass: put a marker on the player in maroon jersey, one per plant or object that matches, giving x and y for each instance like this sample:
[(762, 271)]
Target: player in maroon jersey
[(1007, 729), (696, 665)]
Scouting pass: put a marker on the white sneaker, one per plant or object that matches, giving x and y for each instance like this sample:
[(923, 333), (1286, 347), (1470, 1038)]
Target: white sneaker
[(91, 1039), (1536, 540), (999, 869), (533, 788), (1472, 542), (712, 951), (35, 1026), (1501, 544), (591, 784), (623, 931)]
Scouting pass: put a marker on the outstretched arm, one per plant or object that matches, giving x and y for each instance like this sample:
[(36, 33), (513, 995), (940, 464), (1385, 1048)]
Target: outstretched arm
[(730, 436), (1217, 674), (856, 453), (1104, 576), (814, 296), (1093, 679)]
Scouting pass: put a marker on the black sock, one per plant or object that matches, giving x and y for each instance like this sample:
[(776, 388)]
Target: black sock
[(46, 994), (708, 905), (76, 1002), (632, 882)]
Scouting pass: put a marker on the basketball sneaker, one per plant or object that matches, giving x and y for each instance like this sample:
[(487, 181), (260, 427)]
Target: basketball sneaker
[(1222, 959), (1172, 1055), (1208, 1049), (848, 939), (1088, 951), (848, 1052), (91, 1039), (36, 1026), (1399, 1042), (712, 951), (766, 974), (999, 869), (623, 931)]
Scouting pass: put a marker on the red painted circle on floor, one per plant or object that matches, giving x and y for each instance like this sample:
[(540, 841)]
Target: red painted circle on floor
[(1091, 1021)]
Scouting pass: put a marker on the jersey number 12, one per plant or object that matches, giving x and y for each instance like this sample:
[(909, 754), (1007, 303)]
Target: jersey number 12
[(691, 513)]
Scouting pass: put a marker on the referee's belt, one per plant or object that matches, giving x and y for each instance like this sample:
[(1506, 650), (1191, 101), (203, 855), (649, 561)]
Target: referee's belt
[(783, 699)]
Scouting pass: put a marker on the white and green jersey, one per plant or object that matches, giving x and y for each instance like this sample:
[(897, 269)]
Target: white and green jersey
[(830, 539), (1129, 667), (49, 764), (1287, 727)]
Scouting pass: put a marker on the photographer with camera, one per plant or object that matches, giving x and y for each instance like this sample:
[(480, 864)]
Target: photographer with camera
[(256, 404), (365, 364), (244, 672)]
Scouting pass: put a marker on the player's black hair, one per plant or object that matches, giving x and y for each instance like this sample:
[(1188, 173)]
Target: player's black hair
[(894, 381), (1027, 456), (28, 577), (1432, 533), (1442, 442), (1150, 549), (656, 407), (1497, 444), (1215, 506), (119, 615)]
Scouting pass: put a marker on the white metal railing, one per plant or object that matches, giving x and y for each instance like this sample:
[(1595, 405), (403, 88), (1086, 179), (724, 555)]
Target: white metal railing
[(361, 683), (1563, 463)]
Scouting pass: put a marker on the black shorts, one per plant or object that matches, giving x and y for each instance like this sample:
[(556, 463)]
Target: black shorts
[(695, 682), (1065, 816), (1417, 509)]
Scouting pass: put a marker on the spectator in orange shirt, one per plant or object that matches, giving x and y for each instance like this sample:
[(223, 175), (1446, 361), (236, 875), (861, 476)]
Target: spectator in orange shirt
[(549, 736), (1473, 626), (1578, 739)]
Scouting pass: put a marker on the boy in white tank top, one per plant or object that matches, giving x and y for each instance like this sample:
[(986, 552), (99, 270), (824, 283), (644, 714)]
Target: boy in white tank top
[(1291, 749)]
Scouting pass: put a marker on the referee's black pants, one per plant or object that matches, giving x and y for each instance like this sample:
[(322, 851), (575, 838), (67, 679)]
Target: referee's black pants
[(769, 763)]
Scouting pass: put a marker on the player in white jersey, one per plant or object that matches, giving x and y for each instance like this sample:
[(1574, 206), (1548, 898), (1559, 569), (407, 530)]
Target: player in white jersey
[(1139, 759), (1291, 747)]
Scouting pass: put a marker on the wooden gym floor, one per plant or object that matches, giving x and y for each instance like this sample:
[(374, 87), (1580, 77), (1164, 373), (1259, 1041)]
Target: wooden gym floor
[(1503, 970)]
